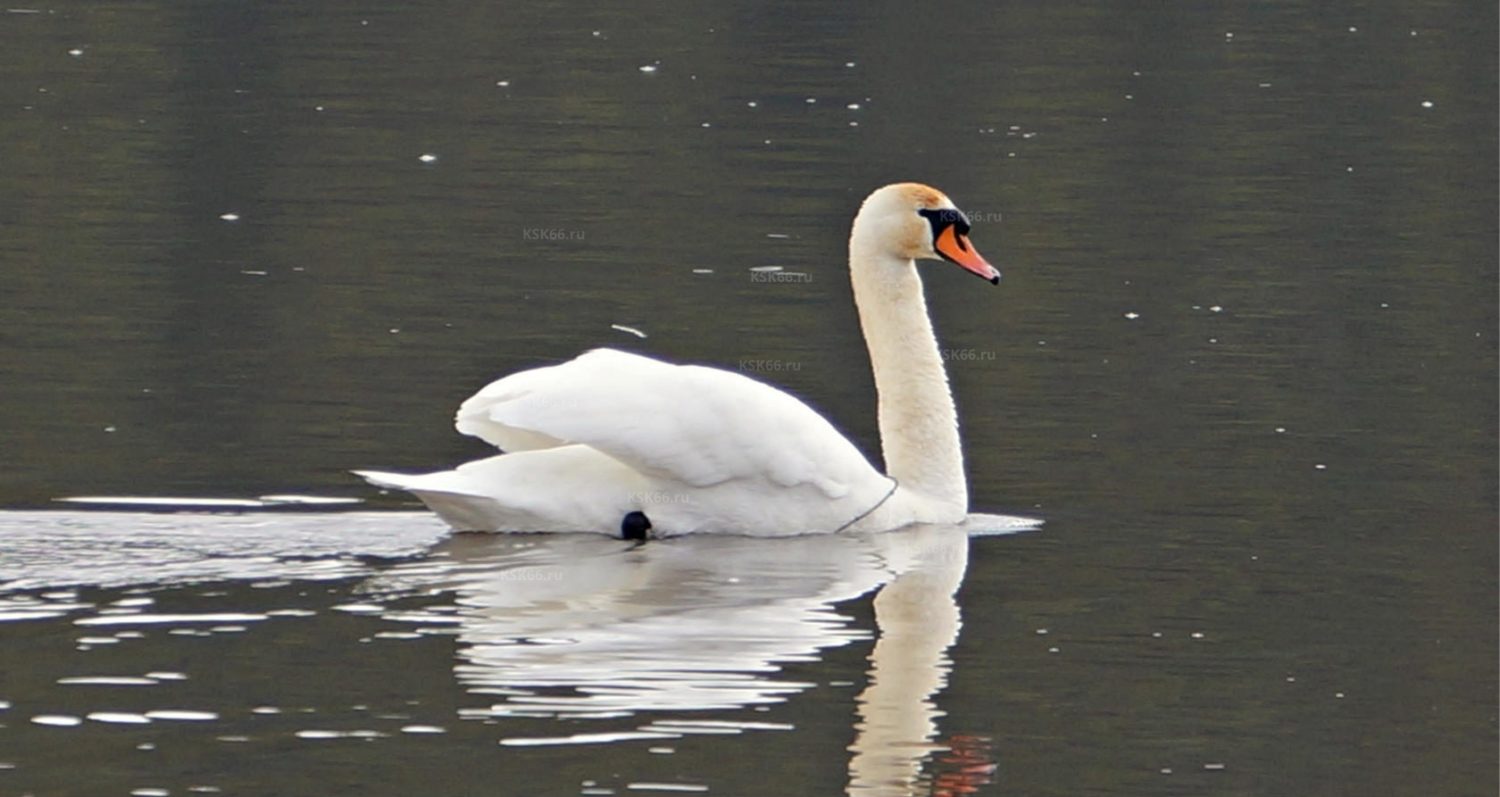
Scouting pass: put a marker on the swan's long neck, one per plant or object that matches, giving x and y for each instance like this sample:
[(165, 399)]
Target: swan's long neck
[(918, 423)]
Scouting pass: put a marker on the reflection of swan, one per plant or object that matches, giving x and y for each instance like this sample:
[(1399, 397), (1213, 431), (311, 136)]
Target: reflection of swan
[(918, 621), (575, 626), (597, 441)]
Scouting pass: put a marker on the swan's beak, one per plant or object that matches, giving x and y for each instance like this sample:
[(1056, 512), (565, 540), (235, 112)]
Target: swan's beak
[(954, 246)]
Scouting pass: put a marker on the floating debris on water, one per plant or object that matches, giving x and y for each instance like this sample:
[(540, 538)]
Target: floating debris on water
[(648, 68), (181, 715), (119, 718), (229, 216), (631, 330), (1132, 315), (427, 157), (57, 720)]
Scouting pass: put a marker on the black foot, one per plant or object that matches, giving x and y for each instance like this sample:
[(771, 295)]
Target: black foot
[(634, 526)]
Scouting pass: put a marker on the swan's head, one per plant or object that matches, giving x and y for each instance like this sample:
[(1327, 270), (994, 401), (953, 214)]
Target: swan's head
[(918, 222)]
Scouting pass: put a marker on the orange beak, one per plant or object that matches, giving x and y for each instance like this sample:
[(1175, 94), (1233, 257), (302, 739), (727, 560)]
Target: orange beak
[(952, 245)]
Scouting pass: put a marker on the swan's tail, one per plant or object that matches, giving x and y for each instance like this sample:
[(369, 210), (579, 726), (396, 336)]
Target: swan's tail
[(569, 488)]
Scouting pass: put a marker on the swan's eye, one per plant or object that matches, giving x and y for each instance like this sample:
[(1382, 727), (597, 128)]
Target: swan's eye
[(943, 218)]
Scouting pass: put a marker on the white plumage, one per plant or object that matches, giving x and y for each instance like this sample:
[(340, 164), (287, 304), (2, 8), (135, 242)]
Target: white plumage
[(699, 449)]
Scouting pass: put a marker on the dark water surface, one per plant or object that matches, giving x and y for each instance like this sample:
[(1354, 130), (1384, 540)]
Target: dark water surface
[(1243, 362)]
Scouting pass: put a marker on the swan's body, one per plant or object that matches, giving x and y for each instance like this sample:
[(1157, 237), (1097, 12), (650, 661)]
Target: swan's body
[(699, 449)]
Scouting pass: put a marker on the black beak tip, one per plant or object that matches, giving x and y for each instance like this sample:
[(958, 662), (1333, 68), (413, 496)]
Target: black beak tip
[(995, 280)]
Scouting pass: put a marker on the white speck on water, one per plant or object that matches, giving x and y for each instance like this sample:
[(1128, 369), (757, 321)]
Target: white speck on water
[(1228, 35), (853, 106), (1196, 635), (1053, 650), (109, 428), (682, 787), (706, 124), (265, 710), (166, 676), (395, 330), (502, 83), (229, 216), (318, 108), (1281, 430), (648, 68), (1216, 309), (1132, 315), (1265, 85), (119, 718), (1213, 340), (1321, 466), (850, 64), (1041, 632), (598, 33), (1156, 635), (318, 734), (75, 52), (753, 104), (1129, 96), (427, 157), (703, 271), (422, 729), (767, 269), (106, 680), (630, 330), (1353, 29), (854, 124), (181, 715), (149, 792), (1213, 767), (57, 720), (811, 100), (252, 272)]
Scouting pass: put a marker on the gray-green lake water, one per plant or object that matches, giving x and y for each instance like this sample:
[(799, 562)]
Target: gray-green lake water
[(1243, 363)]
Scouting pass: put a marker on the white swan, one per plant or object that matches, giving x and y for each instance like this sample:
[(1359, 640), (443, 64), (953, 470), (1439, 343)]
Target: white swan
[(617, 443)]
